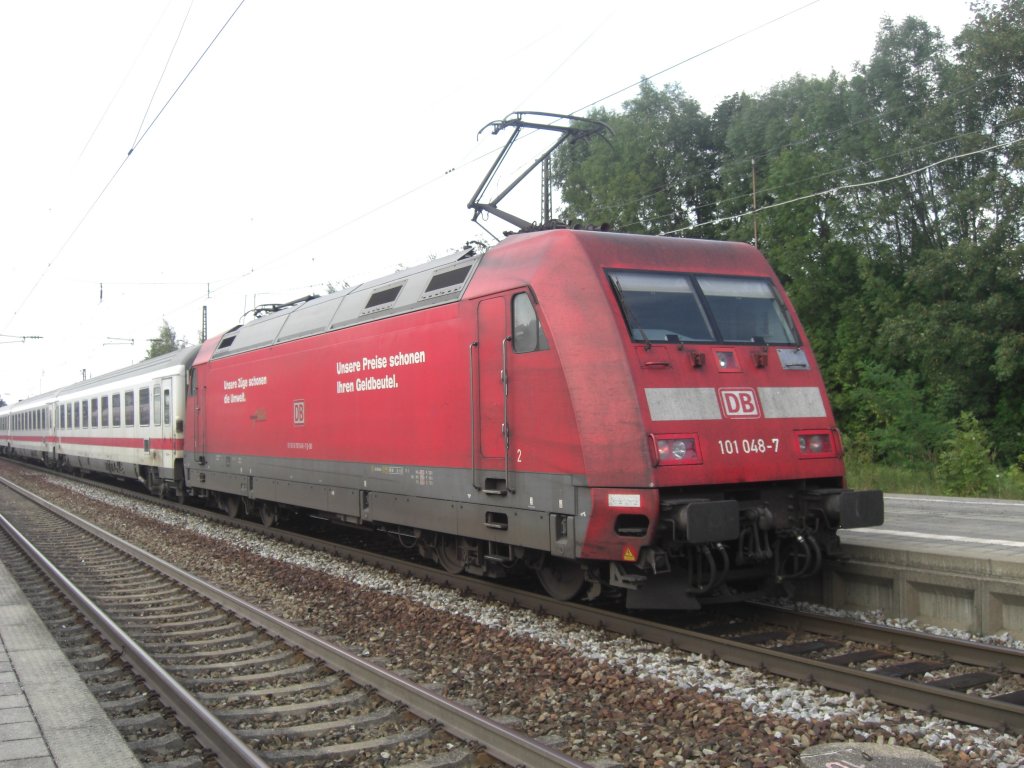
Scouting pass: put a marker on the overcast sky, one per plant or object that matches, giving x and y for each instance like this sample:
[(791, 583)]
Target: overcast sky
[(313, 143)]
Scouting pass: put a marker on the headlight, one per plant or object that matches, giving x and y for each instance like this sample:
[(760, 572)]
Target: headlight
[(677, 449)]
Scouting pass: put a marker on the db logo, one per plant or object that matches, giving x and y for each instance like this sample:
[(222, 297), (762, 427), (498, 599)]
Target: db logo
[(739, 403), (299, 412)]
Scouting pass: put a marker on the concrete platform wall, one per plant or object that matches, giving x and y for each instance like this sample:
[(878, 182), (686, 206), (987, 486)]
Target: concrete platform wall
[(984, 596)]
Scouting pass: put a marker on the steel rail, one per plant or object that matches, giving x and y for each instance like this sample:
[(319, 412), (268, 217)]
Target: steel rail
[(958, 706), (210, 731), (504, 743), (963, 651)]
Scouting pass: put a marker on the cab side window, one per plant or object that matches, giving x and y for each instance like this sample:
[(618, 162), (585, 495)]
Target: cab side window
[(527, 334)]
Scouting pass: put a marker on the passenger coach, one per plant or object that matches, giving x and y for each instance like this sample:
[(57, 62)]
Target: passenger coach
[(129, 423)]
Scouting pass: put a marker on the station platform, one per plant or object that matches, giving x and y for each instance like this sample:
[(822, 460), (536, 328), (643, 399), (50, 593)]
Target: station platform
[(48, 717), (951, 562)]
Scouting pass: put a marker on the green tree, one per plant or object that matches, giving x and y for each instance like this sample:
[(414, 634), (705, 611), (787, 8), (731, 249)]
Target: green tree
[(166, 341), (654, 174), (890, 203), (888, 418), (787, 146)]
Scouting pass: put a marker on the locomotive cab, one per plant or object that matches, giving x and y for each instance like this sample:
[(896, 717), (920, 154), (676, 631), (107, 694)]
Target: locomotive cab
[(745, 455)]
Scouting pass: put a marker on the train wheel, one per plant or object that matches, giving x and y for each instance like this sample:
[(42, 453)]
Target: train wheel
[(449, 554), (562, 579), (268, 514), (233, 506)]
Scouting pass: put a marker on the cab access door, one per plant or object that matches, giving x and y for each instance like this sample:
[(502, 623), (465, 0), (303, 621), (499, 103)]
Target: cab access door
[(489, 367)]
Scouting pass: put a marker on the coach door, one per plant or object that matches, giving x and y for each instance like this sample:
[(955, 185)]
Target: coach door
[(163, 421), (490, 370)]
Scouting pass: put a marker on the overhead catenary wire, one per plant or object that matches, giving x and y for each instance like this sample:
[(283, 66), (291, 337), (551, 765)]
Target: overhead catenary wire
[(102, 192), (239, 276), (159, 80), (117, 92), (490, 153), (697, 55), (393, 199), (830, 136), (850, 186), (187, 76)]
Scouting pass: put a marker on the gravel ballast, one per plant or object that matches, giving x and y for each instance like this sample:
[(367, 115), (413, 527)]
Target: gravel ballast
[(604, 698)]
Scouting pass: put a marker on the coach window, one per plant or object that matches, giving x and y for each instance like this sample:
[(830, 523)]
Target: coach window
[(62, 418), (104, 411), (94, 413), (144, 407), (78, 415), (156, 406), (527, 335), (115, 408), (167, 406), (129, 408)]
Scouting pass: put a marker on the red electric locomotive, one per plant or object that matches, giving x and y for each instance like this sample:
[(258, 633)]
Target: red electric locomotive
[(609, 410)]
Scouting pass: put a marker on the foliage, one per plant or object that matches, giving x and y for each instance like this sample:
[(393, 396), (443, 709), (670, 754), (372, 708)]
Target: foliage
[(922, 480), (891, 204), (166, 341), (654, 174), (965, 467), (888, 419)]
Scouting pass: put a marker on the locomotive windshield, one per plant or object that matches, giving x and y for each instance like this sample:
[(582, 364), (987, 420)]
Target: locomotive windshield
[(665, 306)]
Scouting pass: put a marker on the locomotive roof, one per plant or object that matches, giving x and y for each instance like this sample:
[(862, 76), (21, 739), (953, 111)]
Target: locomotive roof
[(448, 279), (440, 281)]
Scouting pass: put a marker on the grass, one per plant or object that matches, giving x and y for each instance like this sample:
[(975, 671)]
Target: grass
[(1005, 484)]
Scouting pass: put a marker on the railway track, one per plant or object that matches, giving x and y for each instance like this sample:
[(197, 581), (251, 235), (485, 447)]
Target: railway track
[(968, 682), (251, 689)]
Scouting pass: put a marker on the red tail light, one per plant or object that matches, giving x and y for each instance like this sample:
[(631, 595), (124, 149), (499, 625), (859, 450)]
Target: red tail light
[(817, 445)]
